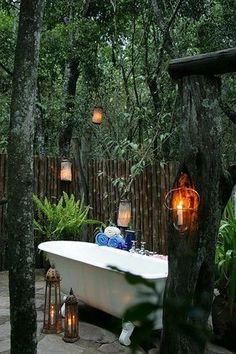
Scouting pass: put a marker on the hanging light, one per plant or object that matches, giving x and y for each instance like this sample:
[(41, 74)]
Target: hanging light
[(124, 213), (52, 322), (183, 203), (71, 321), (66, 170), (97, 115)]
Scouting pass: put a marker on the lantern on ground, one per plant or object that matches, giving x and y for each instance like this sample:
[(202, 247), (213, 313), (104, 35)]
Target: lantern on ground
[(66, 170), (97, 115), (124, 213), (183, 203), (71, 321), (52, 322)]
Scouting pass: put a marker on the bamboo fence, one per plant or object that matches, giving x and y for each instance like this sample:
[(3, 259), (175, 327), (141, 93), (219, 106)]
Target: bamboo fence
[(147, 196)]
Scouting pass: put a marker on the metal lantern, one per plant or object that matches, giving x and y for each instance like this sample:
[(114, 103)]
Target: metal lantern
[(52, 322), (183, 203), (97, 115), (71, 321), (124, 213), (66, 170)]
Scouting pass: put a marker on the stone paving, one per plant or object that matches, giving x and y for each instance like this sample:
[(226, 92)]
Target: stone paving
[(94, 338)]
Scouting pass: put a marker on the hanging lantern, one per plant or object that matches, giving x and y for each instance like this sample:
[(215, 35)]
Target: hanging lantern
[(66, 170), (183, 203), (71, 321), (124, 213), (52, 322), (97, 115)]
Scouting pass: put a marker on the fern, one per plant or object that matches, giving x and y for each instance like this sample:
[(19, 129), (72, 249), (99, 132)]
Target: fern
[(63, 220)]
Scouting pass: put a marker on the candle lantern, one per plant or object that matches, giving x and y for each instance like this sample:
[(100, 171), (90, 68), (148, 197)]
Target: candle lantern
[(97, 115), (71, 321), (124, 213), (52, 322), (66, 170), (183, 203)]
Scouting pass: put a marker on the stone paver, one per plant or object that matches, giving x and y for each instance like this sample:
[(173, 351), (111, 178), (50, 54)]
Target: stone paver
[(4, 302), (5, 330), (90, 332), (52, 344), (214, 349)]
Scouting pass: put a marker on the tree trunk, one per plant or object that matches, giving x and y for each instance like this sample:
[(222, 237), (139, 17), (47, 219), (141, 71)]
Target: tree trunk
[(189, 287), (20, 181), (79, 148), (71, 77), (39, 134), (80, 153)]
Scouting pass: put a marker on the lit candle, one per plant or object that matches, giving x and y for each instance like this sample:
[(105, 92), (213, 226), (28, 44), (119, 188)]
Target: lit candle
[(52, 315), (180, 213), (69, 325)]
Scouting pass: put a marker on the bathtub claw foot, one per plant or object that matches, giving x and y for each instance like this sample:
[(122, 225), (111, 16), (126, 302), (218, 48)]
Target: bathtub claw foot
[(127, 330)]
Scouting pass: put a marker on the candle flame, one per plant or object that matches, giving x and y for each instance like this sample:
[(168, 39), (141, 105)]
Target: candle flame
[(180, 205)]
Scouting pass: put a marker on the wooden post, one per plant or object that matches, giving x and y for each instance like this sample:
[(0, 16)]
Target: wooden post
[(215, 63)]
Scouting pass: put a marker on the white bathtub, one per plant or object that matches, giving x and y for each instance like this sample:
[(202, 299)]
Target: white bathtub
[(85, 267)]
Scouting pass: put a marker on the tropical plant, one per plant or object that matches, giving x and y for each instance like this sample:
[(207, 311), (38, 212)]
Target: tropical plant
[(62, 220), (225, 258)]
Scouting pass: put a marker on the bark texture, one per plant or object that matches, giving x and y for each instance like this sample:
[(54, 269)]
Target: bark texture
[(71, 77), (189, 288), (215, 63), (20, 181)]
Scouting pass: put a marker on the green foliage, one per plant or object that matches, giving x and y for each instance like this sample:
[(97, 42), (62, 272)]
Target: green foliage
[(64, 220), (117, 47), (186, 317), (225, 258), (8, 27), (124, 184)]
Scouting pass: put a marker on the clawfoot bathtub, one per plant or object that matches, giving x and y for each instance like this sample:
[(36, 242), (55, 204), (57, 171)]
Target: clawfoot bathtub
[(85, 267)]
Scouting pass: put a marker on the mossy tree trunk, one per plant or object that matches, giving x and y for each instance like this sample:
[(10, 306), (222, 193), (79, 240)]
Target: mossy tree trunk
[(189, 287), (71, 77), (20, 181)]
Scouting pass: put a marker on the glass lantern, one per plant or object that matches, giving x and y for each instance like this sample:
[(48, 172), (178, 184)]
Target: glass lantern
[(124, 213), (66, 170), (183, 204), (97, 115), (52, 322), (71, 321)]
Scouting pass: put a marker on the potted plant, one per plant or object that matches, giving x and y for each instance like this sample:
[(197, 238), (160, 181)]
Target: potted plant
[(224, 304), (63, 220)]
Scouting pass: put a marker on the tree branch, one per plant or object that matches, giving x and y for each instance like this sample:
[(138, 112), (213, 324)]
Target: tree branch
[(166, 34), (85, 8)]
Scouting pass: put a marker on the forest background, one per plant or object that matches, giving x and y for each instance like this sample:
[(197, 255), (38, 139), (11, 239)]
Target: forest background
[(115, 54)]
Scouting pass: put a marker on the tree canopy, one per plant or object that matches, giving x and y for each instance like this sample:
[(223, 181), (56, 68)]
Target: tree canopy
[(121, 50)]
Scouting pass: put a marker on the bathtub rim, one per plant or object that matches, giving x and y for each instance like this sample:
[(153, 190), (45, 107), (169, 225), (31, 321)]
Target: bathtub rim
[(148, 276)]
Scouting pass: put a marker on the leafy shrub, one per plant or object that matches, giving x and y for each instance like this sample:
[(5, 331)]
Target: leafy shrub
[(225, 258), (64, 220)]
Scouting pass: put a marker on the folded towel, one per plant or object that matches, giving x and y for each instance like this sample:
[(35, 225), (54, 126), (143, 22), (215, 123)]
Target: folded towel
[(116, 241), (101, 239), (111, 231)]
